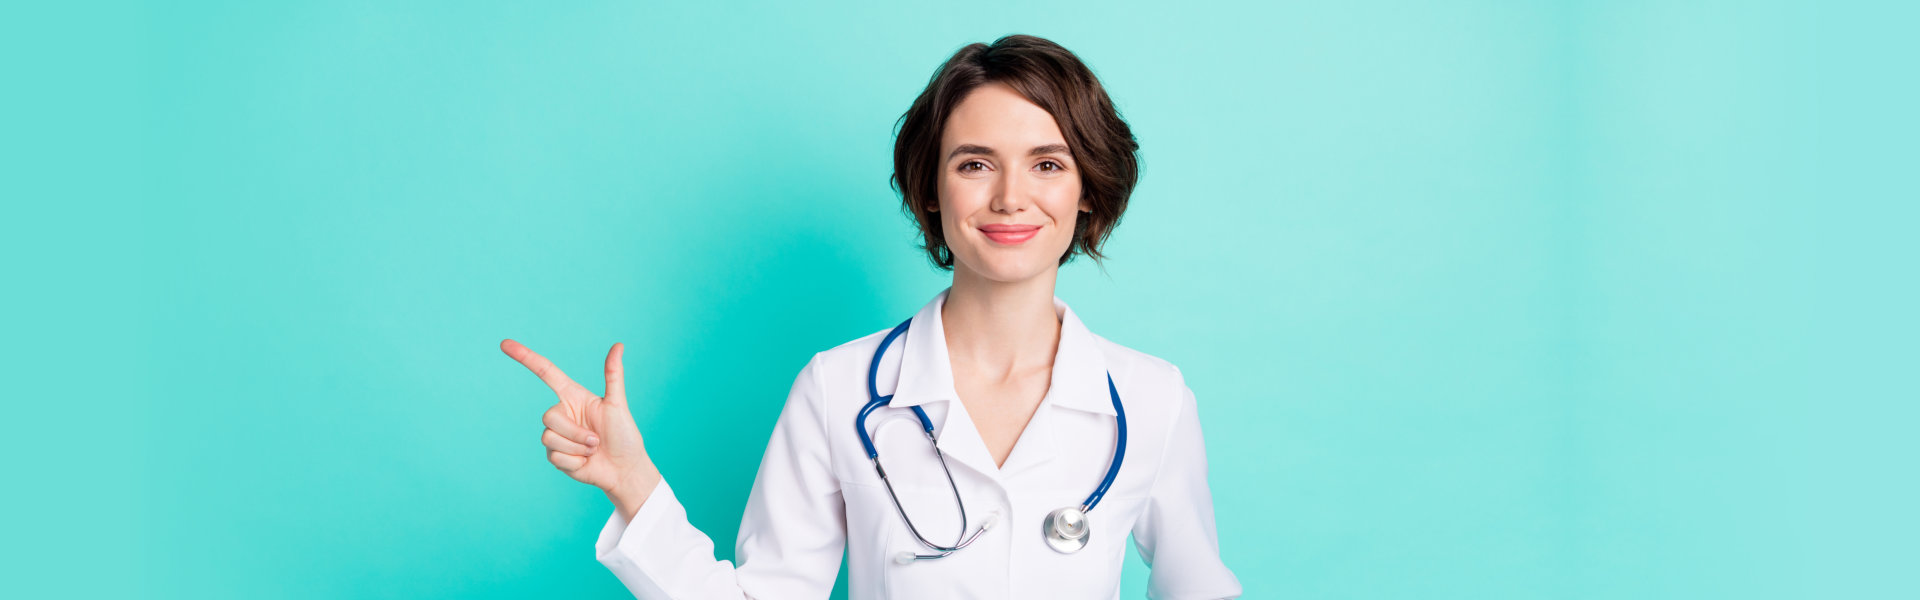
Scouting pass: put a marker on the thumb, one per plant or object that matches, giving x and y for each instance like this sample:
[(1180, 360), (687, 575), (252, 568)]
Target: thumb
[(616, 376)]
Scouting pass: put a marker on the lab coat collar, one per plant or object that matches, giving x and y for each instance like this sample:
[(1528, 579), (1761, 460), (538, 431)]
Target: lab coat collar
[(1079, 379)]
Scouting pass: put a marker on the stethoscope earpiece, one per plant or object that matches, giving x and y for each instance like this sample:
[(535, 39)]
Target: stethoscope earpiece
[(992, 520)]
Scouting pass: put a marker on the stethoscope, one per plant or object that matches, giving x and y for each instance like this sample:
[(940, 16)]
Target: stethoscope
[(1065, 528)]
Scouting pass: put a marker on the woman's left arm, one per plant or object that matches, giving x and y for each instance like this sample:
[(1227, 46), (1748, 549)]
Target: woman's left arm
[(1175, 534)]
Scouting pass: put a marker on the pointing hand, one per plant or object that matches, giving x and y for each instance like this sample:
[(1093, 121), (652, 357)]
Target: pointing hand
[(593, 439)]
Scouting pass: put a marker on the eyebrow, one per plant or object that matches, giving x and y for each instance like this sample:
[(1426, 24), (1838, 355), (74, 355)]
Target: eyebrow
[(983, 150)]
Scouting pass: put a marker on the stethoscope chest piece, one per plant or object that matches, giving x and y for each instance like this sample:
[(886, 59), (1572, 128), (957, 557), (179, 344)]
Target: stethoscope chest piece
[(1066, 529)]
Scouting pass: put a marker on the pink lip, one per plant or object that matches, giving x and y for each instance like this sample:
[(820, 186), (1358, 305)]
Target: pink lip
[(1010, 234)]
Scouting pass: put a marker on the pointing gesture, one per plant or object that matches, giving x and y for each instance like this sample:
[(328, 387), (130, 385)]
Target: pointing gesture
[(593, 439)]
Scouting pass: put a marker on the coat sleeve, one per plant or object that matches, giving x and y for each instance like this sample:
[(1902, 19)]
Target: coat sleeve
[(791, 536), (1175, 534)]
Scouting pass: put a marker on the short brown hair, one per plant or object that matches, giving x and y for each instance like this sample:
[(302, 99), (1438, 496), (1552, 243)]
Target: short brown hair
[(1049, 76)]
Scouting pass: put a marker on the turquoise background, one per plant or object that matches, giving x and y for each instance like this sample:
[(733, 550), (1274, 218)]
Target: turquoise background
[(1480, 299)]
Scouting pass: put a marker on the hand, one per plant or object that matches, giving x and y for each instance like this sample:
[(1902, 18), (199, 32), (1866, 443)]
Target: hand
[(590, 438)]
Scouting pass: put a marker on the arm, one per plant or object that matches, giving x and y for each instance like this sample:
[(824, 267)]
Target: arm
[(791, 535), (1175, 535)]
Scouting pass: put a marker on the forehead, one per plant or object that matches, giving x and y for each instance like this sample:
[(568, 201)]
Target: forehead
[(996, 116)]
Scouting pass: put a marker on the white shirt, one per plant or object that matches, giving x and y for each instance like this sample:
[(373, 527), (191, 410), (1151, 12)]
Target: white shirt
[(817, 494)]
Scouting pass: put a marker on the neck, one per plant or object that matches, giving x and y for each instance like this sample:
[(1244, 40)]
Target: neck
[(1004, 328)]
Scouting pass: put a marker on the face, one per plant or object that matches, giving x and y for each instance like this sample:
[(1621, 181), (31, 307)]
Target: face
[(1009, 189)]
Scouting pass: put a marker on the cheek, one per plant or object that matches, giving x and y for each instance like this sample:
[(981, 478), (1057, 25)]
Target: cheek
[(961, 196), (957, 200), (1064, 204), (949, 228)]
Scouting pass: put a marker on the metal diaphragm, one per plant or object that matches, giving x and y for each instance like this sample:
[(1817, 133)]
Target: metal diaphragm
[(1066, 529)]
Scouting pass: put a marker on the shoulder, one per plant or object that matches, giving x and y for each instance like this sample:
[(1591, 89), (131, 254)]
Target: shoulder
[(834, 380), (1136, 364), (1149, 385), (852, 357), (1140, 368), (1161, 414)]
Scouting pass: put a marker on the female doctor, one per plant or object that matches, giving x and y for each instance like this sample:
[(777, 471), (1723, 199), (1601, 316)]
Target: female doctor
[(991, 446)]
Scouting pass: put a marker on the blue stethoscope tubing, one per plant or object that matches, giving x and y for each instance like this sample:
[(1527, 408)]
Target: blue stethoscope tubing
[(876, 401)]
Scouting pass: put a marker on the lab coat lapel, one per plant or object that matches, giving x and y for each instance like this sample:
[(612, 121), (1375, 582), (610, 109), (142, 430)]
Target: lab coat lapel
[(1036, 445), (959, 440), (926, 377), (1078, 383)]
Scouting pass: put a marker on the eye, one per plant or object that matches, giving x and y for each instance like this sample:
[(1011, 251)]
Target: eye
[(1054, 166), (967, 167)]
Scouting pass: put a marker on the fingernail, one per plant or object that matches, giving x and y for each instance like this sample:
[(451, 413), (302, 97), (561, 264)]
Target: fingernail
[(593, 440)]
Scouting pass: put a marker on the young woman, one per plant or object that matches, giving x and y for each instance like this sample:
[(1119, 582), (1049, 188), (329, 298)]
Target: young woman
[(1028, 447)]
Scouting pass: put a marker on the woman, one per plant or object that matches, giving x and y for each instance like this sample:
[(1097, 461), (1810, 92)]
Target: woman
[(1011, 161)]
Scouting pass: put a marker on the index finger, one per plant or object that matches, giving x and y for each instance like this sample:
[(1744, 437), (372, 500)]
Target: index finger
[(538, 364)]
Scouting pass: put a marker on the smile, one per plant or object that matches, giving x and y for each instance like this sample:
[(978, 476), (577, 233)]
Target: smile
[(1010, 234)]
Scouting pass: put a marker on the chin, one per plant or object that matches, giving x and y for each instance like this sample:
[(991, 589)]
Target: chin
[(1010, 269)]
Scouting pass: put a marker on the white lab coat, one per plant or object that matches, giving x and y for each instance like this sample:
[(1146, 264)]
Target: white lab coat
[(817, 494)]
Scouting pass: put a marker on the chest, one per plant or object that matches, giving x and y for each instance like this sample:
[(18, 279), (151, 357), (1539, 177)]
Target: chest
[(1069, 454), (1001, 406)]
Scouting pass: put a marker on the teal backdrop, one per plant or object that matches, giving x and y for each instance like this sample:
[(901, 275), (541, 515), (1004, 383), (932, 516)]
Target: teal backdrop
[(1479, 299)]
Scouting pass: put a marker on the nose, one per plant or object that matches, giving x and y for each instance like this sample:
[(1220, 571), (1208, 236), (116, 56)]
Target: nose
[(1010, 195)]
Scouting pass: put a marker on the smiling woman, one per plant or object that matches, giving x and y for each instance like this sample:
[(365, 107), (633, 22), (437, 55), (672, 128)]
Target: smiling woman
[(1022, 84), (1011, 162)]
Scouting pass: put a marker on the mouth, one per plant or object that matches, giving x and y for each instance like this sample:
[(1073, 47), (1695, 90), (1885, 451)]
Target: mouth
[(1009, 235)]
